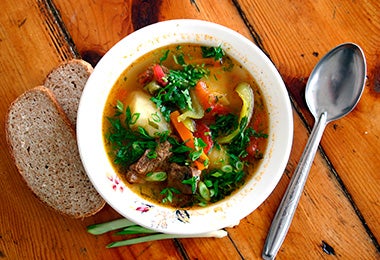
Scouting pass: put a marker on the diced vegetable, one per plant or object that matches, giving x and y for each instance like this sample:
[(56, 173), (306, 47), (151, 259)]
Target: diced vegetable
[(177, 91), (152, 87), (159, 75), (196, 113), (188, 137), (202, 94), (203, 132), (218, 157), (209, 101), (246, 94), (150, 118)]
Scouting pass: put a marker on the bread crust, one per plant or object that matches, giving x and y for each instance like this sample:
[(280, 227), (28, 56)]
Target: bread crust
[(46, 154), (67, 82)]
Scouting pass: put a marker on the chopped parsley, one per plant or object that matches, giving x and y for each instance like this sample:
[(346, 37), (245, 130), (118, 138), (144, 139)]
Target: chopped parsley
[(128, 145), (213, 52), (176, 94)]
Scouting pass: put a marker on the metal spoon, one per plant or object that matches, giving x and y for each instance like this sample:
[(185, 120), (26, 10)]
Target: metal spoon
[(332, 91)]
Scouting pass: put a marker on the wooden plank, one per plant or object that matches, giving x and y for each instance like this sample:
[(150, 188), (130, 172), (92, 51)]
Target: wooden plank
[(32, 43), (296, 34), (96, 27), (217, 13), (24, 60)]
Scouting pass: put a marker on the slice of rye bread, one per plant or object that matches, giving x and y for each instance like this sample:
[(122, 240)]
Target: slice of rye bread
[(67, 81), (43, 144)]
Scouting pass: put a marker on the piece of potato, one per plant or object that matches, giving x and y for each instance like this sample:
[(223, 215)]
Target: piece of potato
[(151, 118), (218, 157)]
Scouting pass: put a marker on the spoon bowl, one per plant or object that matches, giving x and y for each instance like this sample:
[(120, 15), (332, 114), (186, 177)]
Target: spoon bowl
[(332, 91), (333, 88)]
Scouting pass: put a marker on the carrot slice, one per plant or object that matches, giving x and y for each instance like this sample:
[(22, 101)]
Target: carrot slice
[(188, 137), (202, 94), (208, 100), (185, 134)]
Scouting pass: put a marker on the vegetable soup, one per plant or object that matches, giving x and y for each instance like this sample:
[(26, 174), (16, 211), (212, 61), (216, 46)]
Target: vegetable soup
[(185, 125)]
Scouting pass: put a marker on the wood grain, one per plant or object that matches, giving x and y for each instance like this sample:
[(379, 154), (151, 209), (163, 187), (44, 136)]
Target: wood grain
[(314, 28), (340, 204)]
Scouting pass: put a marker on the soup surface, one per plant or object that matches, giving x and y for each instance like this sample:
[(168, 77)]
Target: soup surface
[(185, 125)]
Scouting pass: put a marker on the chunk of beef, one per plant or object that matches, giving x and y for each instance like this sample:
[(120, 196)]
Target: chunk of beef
[(146, 76), (178, 173), (144, 165)]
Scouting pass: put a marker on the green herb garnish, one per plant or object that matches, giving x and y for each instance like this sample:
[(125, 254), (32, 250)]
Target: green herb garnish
[(128, 145), (213, 52), (192, 182), (176, 95), (169, 193)]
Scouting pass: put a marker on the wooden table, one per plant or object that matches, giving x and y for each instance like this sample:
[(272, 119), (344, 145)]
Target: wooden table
[(340, 206)]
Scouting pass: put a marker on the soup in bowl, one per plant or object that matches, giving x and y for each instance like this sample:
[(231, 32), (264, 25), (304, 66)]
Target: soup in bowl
[(184, 127)]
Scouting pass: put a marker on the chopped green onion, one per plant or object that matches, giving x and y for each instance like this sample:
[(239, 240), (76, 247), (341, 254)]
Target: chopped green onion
[(119, 106), (239, 165), (208, 183), (217, 174), (227, 168), (151, 154), (156, 176), (204, 191)]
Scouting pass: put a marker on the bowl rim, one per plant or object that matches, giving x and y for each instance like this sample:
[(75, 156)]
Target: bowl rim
[(163, 219)]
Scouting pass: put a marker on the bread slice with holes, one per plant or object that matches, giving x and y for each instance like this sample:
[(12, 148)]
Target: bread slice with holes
[(43, 144), (67, 82)]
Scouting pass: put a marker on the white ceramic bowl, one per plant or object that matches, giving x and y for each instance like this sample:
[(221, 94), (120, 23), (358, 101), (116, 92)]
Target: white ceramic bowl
[(99, 169)]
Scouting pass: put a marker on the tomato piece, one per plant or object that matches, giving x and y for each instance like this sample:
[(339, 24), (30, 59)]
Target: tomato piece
[(252, 146), (159, 75), (203, 131)]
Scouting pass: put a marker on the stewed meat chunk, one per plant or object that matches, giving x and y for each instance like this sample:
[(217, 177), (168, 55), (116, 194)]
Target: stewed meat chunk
[(177, 174)]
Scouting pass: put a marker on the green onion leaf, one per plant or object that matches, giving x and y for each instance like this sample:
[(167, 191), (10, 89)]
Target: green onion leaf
[(98, 229), (156, 176), (204, 191), (217, 234), (135, 229)]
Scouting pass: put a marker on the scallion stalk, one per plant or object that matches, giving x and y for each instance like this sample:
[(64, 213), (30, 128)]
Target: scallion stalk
[(217, 234), (135, 229), (131, 228), (98, 229)]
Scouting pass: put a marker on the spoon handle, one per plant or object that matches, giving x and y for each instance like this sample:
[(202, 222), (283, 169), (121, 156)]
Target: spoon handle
[(286, 210)]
